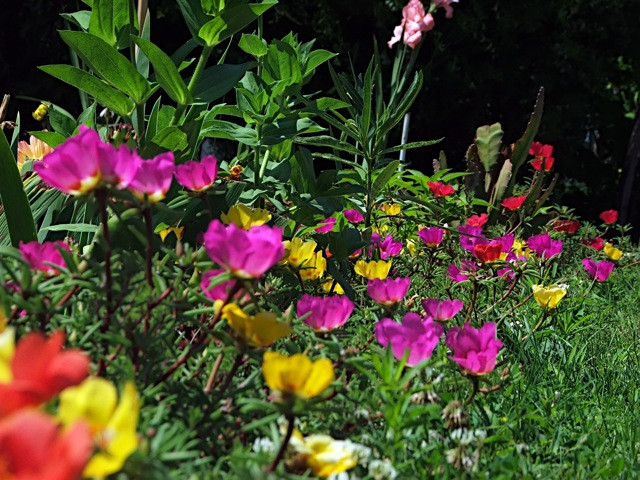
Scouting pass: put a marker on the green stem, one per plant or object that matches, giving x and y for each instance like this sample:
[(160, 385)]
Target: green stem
[(140, 123), (263, 166), (132, 22), (202, 61)]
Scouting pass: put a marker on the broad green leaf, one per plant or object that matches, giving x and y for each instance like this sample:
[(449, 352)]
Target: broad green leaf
[(88, 116), (232, 20), (52, 139), (103, 93), (14, 199), (287, 128), (253, 45), (218, 80), (107, 63), (61, 120), (317, 58), (383, 177), (72, 227), (231, 131), (101, 24), (81, 18), (170, 138), (194, 17), (166, 72), (303, 175), (212, 7), (489, 140)]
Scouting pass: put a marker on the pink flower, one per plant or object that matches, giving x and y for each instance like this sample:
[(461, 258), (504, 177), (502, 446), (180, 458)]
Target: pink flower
[(544, 246), (598, 270), (470, 237), (609, 216), (462, 273), (440, 189), (217, 292), (442, 310), (513, 203), (414, 22), (446, 4), (153, 177), (244, 253), (39, 255), (432, 236), (353, 216), (475, 350), (84, 162), (325, 313), (388, 247), (477, 220), (389, 291), (326, 225), (197, 176), (418, 337)]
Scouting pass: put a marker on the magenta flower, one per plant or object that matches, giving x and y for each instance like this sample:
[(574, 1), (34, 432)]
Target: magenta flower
[(389, 291), (326, 225), (470, 237), (388, 247), (325, 313), (39, 255), (431, 237), (217, 292), (244, 253), (462, 273), (415, 335), (353, 216), (544, 246), (84, 162), (197, 176), (153, 177), (414, 21), (598, 270), (442, 310), (475, 350)]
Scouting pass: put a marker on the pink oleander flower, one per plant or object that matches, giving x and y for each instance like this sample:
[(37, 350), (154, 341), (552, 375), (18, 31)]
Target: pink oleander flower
[(446, 4), (414, 21), (388, 247), (244, 253), (544, 246), (153, 177), (514, 203), (598, 270), (470, 237), (442, 310), (440, 189), (477, 220), (217, 292), (353, 216), (475, 350), (389, 291), (326, 225), (432, 236), (197, 176), (84, 162), (417, 336), (39, 255), (325, 313), (462, 273)]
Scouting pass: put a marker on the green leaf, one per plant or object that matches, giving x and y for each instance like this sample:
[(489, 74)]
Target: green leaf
[(489, 140), (408, 146), (72, 227), (61, 120), (281, 64), (166, 72), (402, 108), (103, 93), (218, 80), (303, 176), (253, 45), (231, 21), (383, 177), (194, 17), (170, 138), (53, 139), (230, 131), (367, 102), (328, 141), (81, 18), (88, 116), (101, 24), (107, 63), (317, 58), (14, 199)]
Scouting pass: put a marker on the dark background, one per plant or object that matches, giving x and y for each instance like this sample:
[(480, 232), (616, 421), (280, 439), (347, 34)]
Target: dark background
[(483, 66)]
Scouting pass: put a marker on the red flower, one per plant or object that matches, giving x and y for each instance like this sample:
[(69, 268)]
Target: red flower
[(488, 252), (440, 189), (537, 163), (513, 203), (609, 216), (566, 225), (33, 446), (40, 370), (477, 220), (595, 243), (539, 150)]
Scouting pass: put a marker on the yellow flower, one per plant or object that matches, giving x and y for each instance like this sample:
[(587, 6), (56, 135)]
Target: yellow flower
[(256, 331), (520, 249), (7, 348), (612, 252), (113, 424), (177, 230), (314, 268), (298, 251), (245, 217), (326, 287), (548, 297), (373, 269), (326, 456), (390, 208), (36, 149), (297, 374), (380, 230)]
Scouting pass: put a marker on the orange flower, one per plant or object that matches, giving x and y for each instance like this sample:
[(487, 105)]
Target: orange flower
[(36, 149)]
